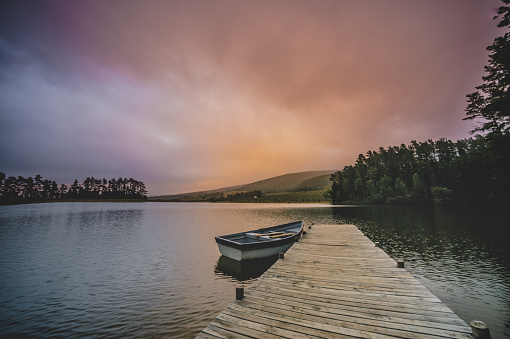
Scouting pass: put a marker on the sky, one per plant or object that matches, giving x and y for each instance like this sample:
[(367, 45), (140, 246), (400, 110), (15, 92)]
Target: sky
[(196, 95)]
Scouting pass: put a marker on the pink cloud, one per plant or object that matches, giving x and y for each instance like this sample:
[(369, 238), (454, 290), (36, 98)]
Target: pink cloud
[(197, 94)]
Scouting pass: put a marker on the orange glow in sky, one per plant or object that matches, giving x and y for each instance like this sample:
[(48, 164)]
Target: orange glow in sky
[(195, 95)]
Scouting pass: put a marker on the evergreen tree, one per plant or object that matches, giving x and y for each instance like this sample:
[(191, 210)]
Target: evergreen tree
[(491, 102), (438, 172), (20, 189)]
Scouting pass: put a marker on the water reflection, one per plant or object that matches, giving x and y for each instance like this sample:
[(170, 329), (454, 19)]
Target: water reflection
[(243, 272), (133, 270)]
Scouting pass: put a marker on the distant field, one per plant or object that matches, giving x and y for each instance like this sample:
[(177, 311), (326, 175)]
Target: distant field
[(308, 196), (292, 197)]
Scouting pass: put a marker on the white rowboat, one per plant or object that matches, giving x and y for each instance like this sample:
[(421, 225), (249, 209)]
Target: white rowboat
[(261, 243)]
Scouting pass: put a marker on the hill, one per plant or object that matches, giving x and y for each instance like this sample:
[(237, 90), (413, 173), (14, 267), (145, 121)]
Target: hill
[(320, 182), (288, 182), (292, 182)]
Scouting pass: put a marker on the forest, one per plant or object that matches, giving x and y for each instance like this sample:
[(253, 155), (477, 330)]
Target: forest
[(474, 170), (24, 190), (442, 172)]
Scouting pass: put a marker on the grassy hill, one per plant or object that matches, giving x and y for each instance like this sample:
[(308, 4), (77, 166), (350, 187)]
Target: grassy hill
[(320, 182), (288, 182), (281, 188)]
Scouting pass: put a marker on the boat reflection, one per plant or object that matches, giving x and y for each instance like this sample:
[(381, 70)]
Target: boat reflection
[(242, 271)]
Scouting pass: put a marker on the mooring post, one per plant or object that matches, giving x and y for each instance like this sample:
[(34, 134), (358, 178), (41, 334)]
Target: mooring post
[(281, 255), (376, 243), (239, 293), (480, 330), (400, 263)]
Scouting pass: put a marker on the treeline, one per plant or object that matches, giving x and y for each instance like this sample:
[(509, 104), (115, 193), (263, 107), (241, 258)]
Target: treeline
[(235, 197), (20, 189), (440, 172)]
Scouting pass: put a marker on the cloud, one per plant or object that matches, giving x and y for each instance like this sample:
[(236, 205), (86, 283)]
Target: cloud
[(198, 94)]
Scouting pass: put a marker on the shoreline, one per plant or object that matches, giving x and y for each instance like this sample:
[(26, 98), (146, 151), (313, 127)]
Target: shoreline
[(22, 202)]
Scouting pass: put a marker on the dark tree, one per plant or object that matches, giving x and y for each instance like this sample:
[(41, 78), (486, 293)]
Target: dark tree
[(439, 172), (23, 190), (491, 102)]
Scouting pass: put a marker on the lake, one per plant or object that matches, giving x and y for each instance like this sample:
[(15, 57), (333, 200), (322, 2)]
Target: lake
[(153, 269)]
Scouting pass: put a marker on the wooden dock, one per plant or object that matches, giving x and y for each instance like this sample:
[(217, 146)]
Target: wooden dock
[(336, 283)]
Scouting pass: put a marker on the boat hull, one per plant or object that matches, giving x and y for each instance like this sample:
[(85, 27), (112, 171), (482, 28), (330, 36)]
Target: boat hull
[(261, 243), (260, 253)]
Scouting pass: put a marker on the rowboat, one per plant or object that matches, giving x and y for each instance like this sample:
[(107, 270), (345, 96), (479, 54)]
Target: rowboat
[(261, 243)]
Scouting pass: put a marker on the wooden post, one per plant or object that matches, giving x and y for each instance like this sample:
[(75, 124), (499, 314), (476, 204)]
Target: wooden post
[(296, 239), (239, 293), (376, 243), (400, 264), (281, 255), (480, 330)]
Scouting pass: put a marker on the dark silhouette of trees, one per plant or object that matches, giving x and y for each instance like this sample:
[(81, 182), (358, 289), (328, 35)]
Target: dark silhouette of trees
[(20, 189), (491, 102), (440, 171), (490, 105)]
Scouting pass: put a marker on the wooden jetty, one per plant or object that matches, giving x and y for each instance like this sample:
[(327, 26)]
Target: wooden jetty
[(335, 282)]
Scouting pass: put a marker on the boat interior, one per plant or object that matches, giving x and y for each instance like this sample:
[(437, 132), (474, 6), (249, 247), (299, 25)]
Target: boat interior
[(273, 233)]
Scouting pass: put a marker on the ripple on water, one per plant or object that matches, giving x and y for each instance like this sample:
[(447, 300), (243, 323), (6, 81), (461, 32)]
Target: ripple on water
[(153, 270)]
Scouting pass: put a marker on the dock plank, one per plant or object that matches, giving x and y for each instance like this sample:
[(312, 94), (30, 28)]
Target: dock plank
[(335, 282), (366, 312)]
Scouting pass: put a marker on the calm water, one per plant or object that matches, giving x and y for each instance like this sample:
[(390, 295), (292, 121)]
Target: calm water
[(153, 269)]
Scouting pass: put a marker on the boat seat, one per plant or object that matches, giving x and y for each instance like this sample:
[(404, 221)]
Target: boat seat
[(267, 235), (256, 236), (281, 235)]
